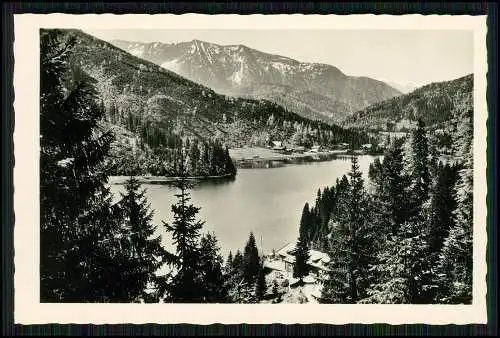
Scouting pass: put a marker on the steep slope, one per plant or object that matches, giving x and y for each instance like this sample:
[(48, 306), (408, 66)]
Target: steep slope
[(147, 104), (317, 91), (436, 104)]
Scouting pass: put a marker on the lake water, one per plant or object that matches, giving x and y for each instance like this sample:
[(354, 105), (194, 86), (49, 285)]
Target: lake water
[(267, 202)]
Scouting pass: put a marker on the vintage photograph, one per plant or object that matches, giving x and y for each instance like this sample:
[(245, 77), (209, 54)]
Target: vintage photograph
[(256, 167), (228, 169)]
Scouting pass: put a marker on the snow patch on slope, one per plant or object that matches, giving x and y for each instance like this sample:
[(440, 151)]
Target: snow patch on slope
[(282, 67), (237, 77), (173, 65), (137, 50)]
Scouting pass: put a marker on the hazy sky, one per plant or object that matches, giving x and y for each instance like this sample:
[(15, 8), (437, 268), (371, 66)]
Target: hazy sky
[(414, 56)]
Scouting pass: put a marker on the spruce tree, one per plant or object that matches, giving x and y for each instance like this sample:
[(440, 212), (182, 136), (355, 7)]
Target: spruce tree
[(142, 253), (442, 206), (205, 160), (301, 253), (77, 247), (229, 168), (237, 266), (261, 287), (251, 261), (419, 171), (229, 263), (211, 265), (391, 194), (186, 285), (404, 271), (305, 228), (455, 263), (351, 245)]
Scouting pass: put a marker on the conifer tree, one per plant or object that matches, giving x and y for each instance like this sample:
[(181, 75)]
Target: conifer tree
[(229, 263), (455, 263), (351, 245), (419, 171), (186, 285), (229, 167), (301, 253), (237, 266), (260, 287), (305, 228), (77, 230), (391, 193), (251, 261), (212, 268), (442, 206), (141, 252), (405, 270)]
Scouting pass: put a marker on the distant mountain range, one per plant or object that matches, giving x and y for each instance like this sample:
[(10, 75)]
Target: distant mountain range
[(436, 104), (313, 90), (404, 87)]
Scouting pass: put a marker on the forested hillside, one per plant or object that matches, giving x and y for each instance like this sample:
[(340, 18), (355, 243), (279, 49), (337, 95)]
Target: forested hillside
[(153, 106), (435, 104), (406, 235)]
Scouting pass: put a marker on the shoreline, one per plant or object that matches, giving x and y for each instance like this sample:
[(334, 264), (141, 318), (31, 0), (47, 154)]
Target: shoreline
[(276, 159), (146, 179)]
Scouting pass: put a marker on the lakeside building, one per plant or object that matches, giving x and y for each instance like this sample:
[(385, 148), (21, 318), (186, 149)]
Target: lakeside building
[(342, 146), (284, 260), (278, 145)]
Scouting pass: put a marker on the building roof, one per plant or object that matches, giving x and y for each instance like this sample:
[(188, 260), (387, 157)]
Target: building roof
[(317, 258), (274, 265)]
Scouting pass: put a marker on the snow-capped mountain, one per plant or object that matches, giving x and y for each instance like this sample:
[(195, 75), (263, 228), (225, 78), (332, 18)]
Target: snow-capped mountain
[(314, 90), (404, 87)]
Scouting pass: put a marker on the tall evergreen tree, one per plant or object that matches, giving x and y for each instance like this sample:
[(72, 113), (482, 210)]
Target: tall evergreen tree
[(186, 285), (237, 266), (260, 285), (229, 263), (404, 271), (305, 228), (211, 266), (442, 206), (77, 246), (391, 195), (455, 264), (351, 245), (419, 171), (251, 261), (301, 253), (229, 167), (141, 252)]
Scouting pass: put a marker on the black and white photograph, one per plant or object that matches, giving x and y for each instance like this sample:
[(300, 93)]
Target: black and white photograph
[(269, 166)]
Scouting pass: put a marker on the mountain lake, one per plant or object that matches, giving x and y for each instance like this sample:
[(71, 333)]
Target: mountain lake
[(265, 201)]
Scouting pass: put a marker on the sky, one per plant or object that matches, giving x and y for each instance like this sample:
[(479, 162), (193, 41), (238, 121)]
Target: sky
[(408, 56)]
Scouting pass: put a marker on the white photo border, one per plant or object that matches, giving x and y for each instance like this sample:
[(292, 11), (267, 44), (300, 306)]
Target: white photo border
[(28, 309)]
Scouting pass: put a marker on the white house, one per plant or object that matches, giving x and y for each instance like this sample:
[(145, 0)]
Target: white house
[(316, 148), (278, 145), (318, 261)]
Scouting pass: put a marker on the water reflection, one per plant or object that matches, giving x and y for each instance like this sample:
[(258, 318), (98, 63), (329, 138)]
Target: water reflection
[(267, 202)]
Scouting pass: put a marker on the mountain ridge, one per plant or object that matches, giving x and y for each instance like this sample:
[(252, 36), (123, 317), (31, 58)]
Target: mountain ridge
[(435, 103), (239, 70)]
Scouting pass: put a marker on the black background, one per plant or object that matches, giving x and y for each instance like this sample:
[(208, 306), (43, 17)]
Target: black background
[(7, 125)]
